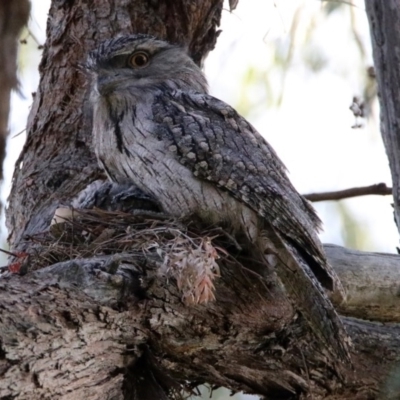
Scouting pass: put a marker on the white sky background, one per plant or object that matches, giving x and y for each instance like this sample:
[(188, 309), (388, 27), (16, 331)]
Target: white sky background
[(311, 130)]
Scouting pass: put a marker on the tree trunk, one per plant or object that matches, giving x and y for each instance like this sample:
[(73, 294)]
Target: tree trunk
[(93, 317), (384, 25)]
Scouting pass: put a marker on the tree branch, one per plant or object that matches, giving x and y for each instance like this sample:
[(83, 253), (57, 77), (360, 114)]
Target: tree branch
[(102, 326), (372, 281), (378, 189)]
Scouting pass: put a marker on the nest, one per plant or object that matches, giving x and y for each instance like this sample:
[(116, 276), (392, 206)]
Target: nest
[(187, 254)]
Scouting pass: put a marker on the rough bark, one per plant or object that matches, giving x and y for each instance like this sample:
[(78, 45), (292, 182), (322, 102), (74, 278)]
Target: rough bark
[(384, 23), (91, 328), (13, 17)]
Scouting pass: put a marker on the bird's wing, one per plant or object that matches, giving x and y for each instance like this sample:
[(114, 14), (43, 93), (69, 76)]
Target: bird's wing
[(222, 147)]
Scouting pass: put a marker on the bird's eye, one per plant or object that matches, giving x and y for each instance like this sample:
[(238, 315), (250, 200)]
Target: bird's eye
[(139, 60)]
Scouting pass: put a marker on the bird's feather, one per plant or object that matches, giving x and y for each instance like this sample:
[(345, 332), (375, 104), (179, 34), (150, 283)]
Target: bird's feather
[(221, 147)]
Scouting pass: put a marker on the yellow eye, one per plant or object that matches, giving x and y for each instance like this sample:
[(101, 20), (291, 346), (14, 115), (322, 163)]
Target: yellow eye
[(139, 60)]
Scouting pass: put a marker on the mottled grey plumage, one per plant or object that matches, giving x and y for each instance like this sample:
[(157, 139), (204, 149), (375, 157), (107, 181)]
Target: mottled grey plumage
[(111, 196), (155, 125)]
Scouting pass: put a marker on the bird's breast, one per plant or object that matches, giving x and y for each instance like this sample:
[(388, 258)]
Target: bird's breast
[(132, 152)]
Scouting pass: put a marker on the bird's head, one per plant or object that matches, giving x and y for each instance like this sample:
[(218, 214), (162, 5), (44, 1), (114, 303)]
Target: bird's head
[(143, 61)]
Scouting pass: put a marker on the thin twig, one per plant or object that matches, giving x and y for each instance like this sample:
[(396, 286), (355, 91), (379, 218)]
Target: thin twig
[(9, 253), (378, 189)]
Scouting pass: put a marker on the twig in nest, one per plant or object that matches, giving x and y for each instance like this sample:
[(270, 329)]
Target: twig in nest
[(229, 237), (378, 189), (9, 253), (189, 257)]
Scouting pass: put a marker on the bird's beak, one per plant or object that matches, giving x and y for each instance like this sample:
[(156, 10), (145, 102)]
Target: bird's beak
[(105, 83)]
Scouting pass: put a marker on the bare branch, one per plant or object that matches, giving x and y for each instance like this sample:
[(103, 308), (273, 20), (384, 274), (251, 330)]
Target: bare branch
[(371, 281), (378, 189)]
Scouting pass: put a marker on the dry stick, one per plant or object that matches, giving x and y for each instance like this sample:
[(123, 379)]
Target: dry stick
[(378, 189)]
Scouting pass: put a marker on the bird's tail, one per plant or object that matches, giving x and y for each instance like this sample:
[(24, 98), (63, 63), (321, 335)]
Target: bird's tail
[(307, 295)]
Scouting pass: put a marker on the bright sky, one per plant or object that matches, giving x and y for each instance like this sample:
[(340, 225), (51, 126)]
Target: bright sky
[(311, 130)]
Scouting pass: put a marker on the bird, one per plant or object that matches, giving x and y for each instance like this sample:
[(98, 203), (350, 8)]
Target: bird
[(156, 126)]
